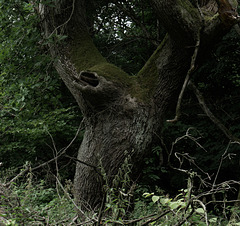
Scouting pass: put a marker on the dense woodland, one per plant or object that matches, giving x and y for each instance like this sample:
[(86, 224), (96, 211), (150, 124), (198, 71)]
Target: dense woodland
[(190, 175)]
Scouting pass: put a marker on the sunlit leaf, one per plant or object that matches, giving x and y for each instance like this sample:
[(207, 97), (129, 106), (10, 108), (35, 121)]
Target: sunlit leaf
[(155, 198)]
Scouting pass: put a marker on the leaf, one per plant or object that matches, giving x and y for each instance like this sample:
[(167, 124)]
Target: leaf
[(174, 205), (164, 201), (200, 210), (213, 220), (146, 195), (155, 198)]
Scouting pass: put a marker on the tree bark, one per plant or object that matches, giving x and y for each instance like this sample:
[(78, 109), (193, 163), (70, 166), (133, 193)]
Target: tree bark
[(124, 113)]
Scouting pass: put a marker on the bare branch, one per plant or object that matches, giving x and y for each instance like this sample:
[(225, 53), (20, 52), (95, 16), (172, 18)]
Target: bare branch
[(85, 163), (63, 151), (220, 165), (210, 114), (16, 177), (73, 8), (205, 210), (190, 71), (68, 196), (156, 218)]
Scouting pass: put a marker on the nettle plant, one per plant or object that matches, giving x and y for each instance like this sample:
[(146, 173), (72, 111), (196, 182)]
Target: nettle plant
[(179, 209), (187, 208)]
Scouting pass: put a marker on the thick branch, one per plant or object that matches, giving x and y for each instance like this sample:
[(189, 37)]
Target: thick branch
[(180, 18), (227, 12), (94, 82)]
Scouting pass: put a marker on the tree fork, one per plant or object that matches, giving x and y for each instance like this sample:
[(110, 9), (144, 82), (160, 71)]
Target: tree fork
[(122, 113)]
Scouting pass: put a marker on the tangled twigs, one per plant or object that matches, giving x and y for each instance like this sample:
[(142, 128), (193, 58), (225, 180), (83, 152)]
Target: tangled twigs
[(156, 218), (26, 170), (59, 154), (68, 196)]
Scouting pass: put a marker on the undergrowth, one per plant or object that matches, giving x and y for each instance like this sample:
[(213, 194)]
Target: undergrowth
[(31, 202)]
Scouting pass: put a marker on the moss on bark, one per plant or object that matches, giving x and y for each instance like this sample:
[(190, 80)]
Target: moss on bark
[(148, 75), (86, 57)]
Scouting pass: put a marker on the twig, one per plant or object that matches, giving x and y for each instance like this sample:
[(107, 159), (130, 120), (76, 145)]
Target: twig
[(68, 196), (85, 163), (222, 201), (16, 177), (55, 154), (190, 71), (189, 188), (186, 218), (220, 165), (226, 185), (205, 210), (210, 114), (61, 25), (62, 151), (127, 222), (186, 155), (191, 160), (46, 163), (139, 219), (100, 212), (156, 218)]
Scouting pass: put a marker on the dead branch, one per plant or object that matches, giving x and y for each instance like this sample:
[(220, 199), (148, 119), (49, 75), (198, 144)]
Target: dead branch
[(16, 177), (156, 218), (66, 22), (186, 218), (216, 121), (63, 151), (186, 155), (220, 165), (222, 201), (84, 163), (190, 71), (205, 210), (68, 196)]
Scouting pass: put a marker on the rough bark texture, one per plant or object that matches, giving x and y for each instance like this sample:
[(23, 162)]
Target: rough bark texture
[(122, 113)]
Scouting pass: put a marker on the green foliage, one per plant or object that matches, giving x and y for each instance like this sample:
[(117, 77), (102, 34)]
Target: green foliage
[(33, 100), (152, 166), (33, 203), (184, 209), (119, 195)]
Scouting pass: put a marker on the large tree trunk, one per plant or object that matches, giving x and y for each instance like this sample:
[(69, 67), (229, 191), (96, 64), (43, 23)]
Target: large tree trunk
[(122, 113)]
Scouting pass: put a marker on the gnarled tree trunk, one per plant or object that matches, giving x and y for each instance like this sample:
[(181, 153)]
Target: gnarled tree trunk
[(123, 113)]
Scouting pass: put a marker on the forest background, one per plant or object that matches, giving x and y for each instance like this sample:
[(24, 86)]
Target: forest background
[(41, 129)]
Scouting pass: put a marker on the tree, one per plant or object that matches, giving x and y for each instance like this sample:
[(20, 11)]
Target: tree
[(123, 114)]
